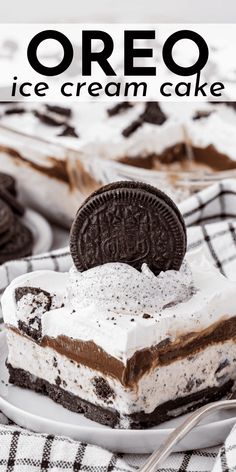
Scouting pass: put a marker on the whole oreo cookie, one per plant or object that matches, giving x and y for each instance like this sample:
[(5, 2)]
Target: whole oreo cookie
[(20, 244), (7, 235), (7, 182), (6, 217), (11, 201), (129, 222)]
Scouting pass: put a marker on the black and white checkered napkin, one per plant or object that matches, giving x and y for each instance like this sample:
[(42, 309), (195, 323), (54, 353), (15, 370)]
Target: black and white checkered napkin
[(211, 219)]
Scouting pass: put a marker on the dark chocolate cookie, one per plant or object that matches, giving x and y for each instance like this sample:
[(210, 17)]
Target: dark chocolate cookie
[(6, 217), (7, 235), (8, 183), (128, 222), (149, 188), (11, 201), (20, 244)]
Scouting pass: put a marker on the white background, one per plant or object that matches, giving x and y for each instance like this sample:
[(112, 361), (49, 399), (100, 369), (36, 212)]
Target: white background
[(193, 11)]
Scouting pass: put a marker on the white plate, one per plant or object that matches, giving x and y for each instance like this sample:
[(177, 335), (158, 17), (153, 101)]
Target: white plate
[(40, 414), (41, 230)]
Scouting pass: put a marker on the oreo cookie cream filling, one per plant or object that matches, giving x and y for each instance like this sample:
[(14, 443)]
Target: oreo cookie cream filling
[(122, 345)]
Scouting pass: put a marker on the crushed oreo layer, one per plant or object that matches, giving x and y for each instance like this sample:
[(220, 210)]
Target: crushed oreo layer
[(102, 388)]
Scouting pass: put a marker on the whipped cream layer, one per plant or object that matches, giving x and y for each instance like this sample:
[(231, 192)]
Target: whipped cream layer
[(101, 135), (98, 133), (217, 130), (120, 289), (189, 300)]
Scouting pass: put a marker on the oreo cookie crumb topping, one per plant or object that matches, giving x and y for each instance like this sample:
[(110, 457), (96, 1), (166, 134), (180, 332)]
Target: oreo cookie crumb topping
[(59, 110), (15, 111), (102, 388), (202, 114), (69, 131), (48, 119), (224, 102), (146, 316), (227, 103), (152, 114), (132, 127), (119, 108)]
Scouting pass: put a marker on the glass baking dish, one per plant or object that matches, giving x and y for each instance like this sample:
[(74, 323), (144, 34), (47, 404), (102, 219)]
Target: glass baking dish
[(55, 179)]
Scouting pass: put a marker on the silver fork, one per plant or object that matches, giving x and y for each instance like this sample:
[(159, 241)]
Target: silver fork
[(165, 449)]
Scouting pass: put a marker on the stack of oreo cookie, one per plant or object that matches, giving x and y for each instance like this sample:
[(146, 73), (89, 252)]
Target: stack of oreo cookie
[(16, 240)]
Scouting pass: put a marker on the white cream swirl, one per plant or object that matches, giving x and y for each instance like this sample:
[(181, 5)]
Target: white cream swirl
[(120, 289)]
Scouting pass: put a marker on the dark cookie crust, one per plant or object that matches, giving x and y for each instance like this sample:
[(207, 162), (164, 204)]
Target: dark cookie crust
[(109, 416), (128, 222), (15, 111)]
